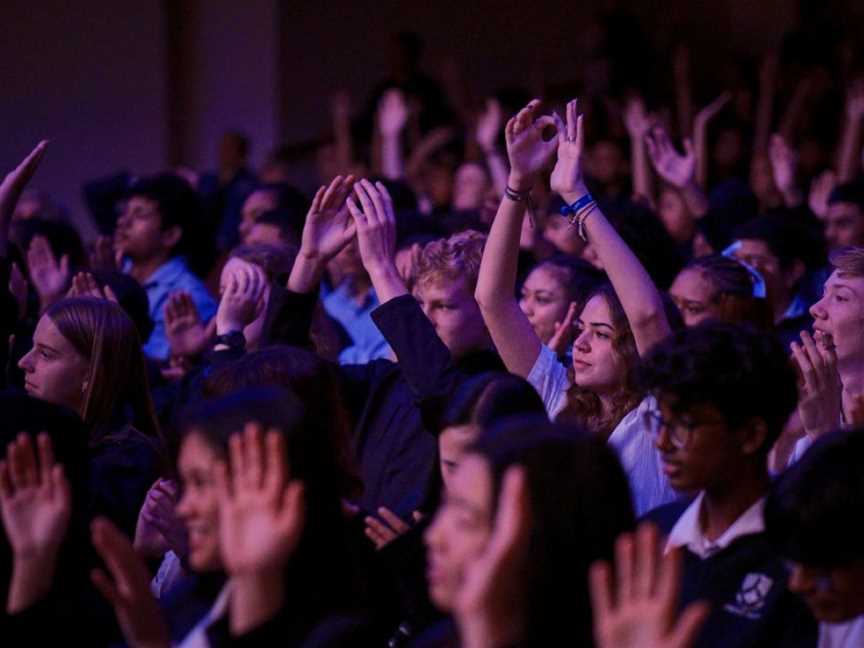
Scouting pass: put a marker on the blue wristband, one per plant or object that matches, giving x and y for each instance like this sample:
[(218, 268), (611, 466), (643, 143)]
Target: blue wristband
[(576, 207)]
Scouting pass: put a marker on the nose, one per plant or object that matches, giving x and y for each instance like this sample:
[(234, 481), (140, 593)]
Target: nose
[(581, 341), (817, 310), (26, 363), (183, 509), (662, 439), (801, 579)]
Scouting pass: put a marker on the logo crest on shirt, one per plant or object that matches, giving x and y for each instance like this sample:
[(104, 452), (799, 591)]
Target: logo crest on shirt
[(750, 599)]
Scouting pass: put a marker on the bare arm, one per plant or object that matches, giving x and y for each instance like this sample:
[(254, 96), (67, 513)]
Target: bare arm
[(848, 154), (488, 129), (638, 124), (512, 333), (700, 135), (638, 295), (392, 117), (12, 186)]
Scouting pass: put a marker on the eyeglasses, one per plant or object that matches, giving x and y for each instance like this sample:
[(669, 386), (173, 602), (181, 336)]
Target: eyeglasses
[(679, 430)]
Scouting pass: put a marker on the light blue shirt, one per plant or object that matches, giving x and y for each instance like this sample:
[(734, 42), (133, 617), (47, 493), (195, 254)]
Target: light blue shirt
[(172, 276), (368, 343)]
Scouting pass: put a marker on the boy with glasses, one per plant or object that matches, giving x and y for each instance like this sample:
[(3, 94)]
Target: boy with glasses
[(724, 393)]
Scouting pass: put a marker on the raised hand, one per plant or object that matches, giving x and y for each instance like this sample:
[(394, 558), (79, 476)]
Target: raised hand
[(388, 526), (637, 121), (12, 186), (128, 588), (261, 512), (50, 277), (242, 298), (490, 605), (820, 192), (709, 112), (35, 504), (638, 609), (563, 335), (784, 163), (820, 394), (392, 113), (855, 101), (19, 288), (184, 329), (676, 169), (567, 178), (84, 284), (328, 226), (158, 528), (489, 125), (103, 256), (376, 224), (527, 150)]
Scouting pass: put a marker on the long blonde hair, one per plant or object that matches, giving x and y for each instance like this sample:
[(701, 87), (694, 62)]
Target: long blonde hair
[(104, 335)]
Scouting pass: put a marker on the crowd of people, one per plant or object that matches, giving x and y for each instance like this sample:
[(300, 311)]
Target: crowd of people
[(547, 373)]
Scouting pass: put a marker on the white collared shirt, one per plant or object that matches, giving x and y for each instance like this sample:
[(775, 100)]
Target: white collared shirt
[(842, 635), (197, 637), (688, 533)]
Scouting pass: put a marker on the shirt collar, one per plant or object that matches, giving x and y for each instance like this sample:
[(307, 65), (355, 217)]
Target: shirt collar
[(687, 532), (167, 272)]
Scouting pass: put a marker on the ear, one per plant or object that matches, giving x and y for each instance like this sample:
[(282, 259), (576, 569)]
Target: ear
[(171, 236), (796, 271), (752, 436)]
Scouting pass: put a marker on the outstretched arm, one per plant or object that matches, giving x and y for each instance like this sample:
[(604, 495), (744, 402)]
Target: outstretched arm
[(848, 155), (512, 333), (12, 186), (638, 294)]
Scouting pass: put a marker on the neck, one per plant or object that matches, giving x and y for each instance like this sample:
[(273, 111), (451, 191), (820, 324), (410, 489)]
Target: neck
[(722, 506), (852, 376), (141, 270), (358, 286)]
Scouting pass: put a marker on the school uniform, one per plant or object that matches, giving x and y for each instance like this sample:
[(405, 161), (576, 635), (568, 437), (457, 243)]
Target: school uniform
[(742, 578)]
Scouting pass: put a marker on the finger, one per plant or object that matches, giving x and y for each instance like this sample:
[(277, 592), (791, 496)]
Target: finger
[(395, 522), (624, 567), (815, 356), (511, 520), (237, 468), (389, 211), (669, 581), (580, 133), (688, 147), (378, 205), (343, 191), (64, 265), (689, 624), (315, 208), (276, 473), (417, 516), (571, 120), (560, 127), (24, 471), (356, 213), (60, 487), (46, 459), (646, 560), (106, 588), (327, 200), (119, 556), (110, 295), (808, 373), (222, 483), (378, 527), (29, 164), (253, 454), (377, 540), (366, 202), (600, 583)]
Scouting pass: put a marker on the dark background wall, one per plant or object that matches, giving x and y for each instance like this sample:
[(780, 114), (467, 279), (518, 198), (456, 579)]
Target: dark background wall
[(140, 84)]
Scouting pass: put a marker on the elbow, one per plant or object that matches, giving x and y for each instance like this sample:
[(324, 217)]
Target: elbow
[(649, 317)]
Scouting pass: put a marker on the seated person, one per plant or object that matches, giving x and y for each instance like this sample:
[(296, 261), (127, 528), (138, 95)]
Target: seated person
[(153, 233), (812, 515), (718, 423)]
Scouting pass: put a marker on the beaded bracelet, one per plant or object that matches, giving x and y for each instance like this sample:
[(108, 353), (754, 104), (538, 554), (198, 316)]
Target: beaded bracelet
[(522, 196)]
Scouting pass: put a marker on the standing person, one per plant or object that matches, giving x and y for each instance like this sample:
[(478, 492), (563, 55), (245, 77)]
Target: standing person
[(718, 422), (154, 232), (86, 356), (812, 515), (619, 322)]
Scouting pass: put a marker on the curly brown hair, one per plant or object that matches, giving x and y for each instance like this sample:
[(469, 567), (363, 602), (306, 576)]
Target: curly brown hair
[(452, 258)]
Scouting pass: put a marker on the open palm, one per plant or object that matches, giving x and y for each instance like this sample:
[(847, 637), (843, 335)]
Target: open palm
[(329, 227), (567, 179), (261, 513), (527, 149)]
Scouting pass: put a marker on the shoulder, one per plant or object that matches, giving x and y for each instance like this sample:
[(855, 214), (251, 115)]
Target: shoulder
[(667, 515)]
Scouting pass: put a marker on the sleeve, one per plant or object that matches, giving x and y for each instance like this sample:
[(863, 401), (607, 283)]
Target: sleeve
[(424, 359), (549, 378), (289, 317)]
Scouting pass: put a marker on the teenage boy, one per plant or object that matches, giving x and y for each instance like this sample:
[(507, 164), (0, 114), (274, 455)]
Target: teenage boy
[(813, 517), (153, 233), (724, 393)]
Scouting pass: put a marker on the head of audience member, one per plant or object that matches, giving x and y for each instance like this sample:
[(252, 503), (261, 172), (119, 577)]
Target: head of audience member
[(606, 163), (445, 279), (776, 250), (762, 181), (157, 219), (478, 403), (724, 394), (233, 153), (675, 216), (313, 381), (812, 516), (36, 204), (844, 222), (470, 186), (87, 356), (732, 203), (275, 227), (578, 500), (437, 182), (285, 199), (205, 430), (551, 287), (346, 265), (719, 288), (277, 167), (838, 318)]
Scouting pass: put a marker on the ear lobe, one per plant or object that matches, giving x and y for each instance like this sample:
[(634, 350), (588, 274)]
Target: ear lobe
[(753, 436), (172, 236)]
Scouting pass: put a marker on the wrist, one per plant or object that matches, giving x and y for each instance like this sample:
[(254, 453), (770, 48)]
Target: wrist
[(574, 194), (519, 182), (256, 597)]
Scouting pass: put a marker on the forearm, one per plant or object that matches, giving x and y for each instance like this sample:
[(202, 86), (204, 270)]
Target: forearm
[(641, 173), (392, 165), (700, 147), (639, 296), (497, 170), (695, 199), (306, 273), (386, 282), (30, 582)]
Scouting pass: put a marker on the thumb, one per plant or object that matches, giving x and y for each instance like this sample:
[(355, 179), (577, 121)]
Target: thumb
[(64, 265)]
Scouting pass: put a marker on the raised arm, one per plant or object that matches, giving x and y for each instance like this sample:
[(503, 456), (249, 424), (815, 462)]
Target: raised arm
[(12, 186), (392, 117), (848, 154), (784, 166), (676, 169), (638, 124), (638, 294), (512, 333), (487, 133)]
